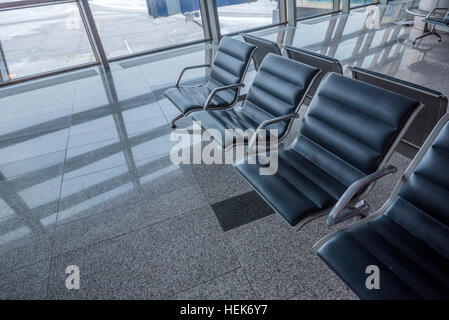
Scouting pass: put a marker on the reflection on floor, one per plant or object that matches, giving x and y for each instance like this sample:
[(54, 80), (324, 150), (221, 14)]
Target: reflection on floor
[(86, 179)]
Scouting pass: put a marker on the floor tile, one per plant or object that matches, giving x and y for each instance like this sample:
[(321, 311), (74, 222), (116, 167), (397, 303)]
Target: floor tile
[(93, 193), (114, 132), (26, 233), (275, 257), (220, 182), (153, 262), (116, 150), (45, 122), (127, 218), (46, 166), (230, 286), (332, 289), (25, 283), (24, 241), (33, 146)]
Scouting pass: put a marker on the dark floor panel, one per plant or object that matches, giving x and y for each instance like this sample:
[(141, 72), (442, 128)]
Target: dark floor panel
[(240, 210)]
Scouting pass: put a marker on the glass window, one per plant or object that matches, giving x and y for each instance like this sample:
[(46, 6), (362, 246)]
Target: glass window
[(357, 3), (310, 8), (42, 39), (133, 26), (238, 15)]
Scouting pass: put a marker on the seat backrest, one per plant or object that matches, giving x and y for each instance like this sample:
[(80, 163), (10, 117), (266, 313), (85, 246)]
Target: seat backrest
[(324, 63), (277, 89), (264, 47), (446, 18), (231, 61), (421, 207), (435, 106), (351, 125)]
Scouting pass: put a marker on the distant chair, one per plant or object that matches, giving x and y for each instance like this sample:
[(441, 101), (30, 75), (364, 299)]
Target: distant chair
[(222, 89), (435, 21), (325, 63), (273, 101), (264, 47)]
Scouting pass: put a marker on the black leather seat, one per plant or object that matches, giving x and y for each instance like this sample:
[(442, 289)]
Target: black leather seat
[(345, 135), (435, 106), (441, 22), (408, 241), (264, 47), (277, 90), (227, 72), (324, 63)]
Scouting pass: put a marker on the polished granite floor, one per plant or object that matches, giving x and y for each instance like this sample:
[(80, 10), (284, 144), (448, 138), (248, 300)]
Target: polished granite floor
[(86, 179)]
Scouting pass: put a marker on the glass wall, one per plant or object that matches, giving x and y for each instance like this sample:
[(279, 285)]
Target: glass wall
[(239, 15), (357, 3), (48, 35), (310, 8), (42, 39), (132, 26)]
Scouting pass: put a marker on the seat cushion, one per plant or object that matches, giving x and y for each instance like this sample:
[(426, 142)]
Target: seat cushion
[(423, 201), (347, 131), (356, 121), (301, 187), (229, 66), (188, 99), (436, 21), (409, 242), (277, 89), (226, 119), (402, 258)]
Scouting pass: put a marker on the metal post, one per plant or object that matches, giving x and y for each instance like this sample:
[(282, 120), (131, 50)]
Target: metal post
[(346, 6), (214, 23), (92, 33), (291, 12), (283, 11), (205, 19), (335, 5), (4, 72)]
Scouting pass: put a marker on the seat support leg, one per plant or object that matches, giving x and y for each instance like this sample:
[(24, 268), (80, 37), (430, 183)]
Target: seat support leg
[(360, 209), (173, 125), (422, 36), (432, 31)]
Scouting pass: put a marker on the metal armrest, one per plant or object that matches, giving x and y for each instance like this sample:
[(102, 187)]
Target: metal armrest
[(340, 213), (188, 68), (218, 89), (266, 123), (433, 10)]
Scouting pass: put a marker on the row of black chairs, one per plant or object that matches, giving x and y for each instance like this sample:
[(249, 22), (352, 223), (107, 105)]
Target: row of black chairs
[(346, 138), (231, 63)]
